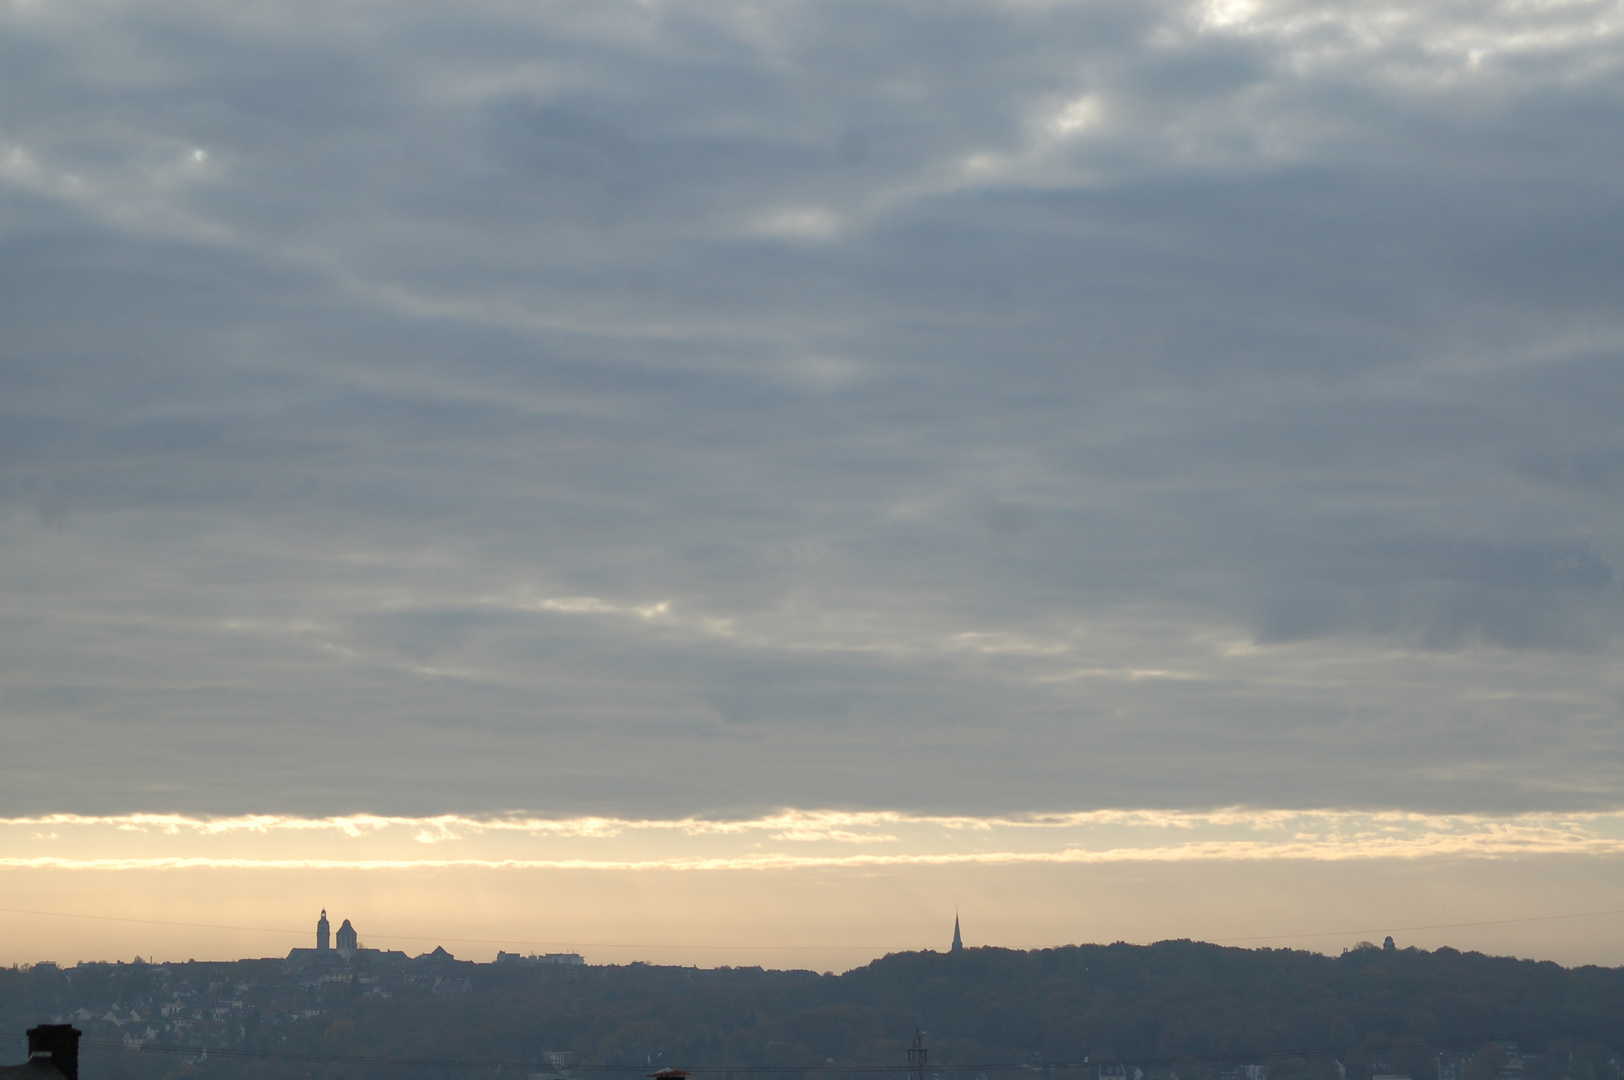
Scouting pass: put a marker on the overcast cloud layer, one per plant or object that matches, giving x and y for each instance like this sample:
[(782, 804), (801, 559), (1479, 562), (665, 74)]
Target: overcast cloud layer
[(655, 409)]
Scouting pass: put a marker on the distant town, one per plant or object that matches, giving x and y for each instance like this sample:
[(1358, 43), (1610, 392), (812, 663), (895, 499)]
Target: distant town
[(212, 1004)]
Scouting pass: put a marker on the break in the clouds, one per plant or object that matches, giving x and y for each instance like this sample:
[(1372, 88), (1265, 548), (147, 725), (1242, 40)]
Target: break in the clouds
[(660, 409), (791, 840)]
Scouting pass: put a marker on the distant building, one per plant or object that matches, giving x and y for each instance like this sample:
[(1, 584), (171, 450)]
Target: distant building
[(559, 1062), (325, 958), (346, 937), (1247, 1072), (567, 959), (958, 942)]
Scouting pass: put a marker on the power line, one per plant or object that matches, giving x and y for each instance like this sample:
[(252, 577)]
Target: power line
[(790, 948), (1432, 926), (151, 922), (835, 1070), (441, 938)]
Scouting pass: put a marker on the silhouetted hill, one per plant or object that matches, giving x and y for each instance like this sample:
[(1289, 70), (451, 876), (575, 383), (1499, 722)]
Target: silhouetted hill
[(1176, 1007)]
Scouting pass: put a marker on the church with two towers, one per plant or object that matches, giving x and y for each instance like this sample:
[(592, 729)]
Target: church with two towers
[(340, 950)]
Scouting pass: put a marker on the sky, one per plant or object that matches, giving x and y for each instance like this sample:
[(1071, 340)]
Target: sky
[(736, 482)]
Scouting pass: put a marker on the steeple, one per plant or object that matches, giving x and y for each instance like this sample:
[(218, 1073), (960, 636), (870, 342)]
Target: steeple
[(321, 932), (958, 942)]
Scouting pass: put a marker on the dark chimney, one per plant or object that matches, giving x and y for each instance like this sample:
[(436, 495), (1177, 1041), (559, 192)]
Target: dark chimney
[(61, 1043)]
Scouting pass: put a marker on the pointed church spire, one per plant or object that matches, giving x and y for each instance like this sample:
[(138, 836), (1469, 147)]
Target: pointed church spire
[(958, 942)]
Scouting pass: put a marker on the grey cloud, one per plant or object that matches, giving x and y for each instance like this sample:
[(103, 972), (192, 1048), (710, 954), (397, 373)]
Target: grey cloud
[(1246, 432), (1553, 596)]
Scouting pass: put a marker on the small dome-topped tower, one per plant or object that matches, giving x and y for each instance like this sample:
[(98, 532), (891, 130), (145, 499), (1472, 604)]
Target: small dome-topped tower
[(346, 937), (322, 932)]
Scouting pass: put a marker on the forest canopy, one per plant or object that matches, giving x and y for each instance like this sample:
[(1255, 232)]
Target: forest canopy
[(1175, 1008)]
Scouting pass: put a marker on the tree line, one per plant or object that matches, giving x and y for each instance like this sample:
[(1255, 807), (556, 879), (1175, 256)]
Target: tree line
[(1175, 1008)]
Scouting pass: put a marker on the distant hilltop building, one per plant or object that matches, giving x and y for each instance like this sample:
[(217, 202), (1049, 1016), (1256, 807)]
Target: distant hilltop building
[(958, 942), (567, 959), (347, 952), (336, 954)]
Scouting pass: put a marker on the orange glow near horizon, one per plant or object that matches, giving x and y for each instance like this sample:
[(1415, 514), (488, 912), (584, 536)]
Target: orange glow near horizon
[(826, 918)]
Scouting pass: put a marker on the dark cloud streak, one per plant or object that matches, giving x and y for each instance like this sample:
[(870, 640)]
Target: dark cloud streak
[(1090, 405)]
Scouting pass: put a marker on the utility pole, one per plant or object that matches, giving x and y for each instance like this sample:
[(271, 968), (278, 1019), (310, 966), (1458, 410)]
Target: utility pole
[(916, 1057)]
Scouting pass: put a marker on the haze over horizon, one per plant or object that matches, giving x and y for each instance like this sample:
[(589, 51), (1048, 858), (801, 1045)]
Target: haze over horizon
[(760, 476)]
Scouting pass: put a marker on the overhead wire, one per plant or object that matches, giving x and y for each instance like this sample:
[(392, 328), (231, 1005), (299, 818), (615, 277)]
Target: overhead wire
[(1037, 1065), (793, 948), (1430, 926)]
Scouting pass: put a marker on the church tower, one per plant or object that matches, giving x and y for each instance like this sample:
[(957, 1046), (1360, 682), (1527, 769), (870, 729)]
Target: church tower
[(958, 942), (321, 932)]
